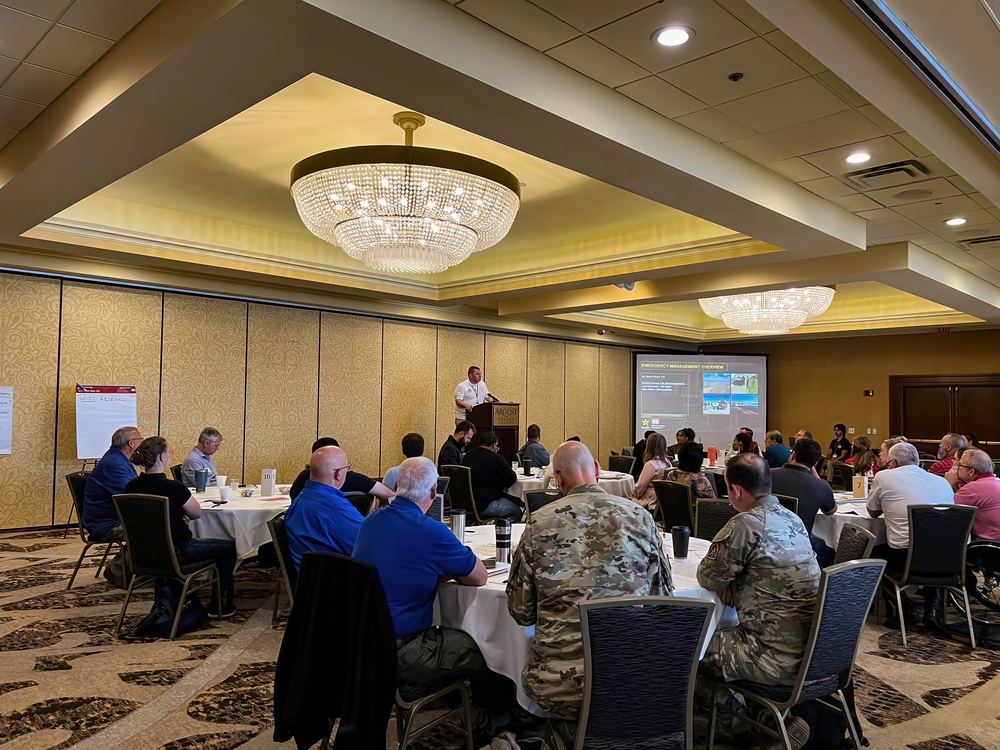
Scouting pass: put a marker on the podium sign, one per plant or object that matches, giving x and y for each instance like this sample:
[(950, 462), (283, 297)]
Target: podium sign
[(504, 420), (506, 415)]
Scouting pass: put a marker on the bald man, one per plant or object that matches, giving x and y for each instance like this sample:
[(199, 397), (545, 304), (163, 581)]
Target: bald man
[(587, 545), (321, 519)]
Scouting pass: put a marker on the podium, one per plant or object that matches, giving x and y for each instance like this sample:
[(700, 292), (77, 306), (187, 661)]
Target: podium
[(504, 420)]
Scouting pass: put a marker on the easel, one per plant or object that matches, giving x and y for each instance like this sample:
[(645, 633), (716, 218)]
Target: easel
[(72, 506)]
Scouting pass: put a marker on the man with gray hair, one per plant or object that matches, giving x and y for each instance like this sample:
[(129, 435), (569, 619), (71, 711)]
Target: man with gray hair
[(200, 457), (975, 484), (950, 445), (900, 484), (776, 453)]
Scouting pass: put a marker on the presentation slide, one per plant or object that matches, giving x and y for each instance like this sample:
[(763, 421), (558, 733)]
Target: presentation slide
[(713, 394)]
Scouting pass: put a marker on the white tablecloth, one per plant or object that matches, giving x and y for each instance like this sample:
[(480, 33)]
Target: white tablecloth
[(849, 510), (482, 611), (242, 519), (612, 482)]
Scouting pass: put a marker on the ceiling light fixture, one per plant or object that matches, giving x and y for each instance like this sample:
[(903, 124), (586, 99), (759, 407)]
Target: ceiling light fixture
[(405, 209), (956, 222), (673, 36), (769, 313), (859, 158)]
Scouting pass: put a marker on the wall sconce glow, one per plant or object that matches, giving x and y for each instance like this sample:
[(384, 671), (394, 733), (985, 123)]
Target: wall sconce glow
[(673, 36), (956, 222), (859, 158)]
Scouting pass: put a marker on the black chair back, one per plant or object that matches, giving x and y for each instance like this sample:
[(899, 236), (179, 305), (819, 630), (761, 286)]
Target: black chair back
[(176, 471), (821, 465), (442, 488), (926, 463), (627, 451), (846, 475), (655, 707), (622, 464), (361, 501), (673, 502), (436, 511), (789, 502), (938, 537), (276, 526), (77, 481), (855, 543), (150, 547), (535, 500), (711, 517), (460, 490), (718, 483)]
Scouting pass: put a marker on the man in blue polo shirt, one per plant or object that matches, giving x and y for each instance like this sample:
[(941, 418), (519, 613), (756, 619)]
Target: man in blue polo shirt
[(108, 478), (321, 519), (413, 554)]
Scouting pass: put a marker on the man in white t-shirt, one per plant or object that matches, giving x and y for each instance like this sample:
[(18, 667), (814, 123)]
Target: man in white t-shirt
[(470, 393)]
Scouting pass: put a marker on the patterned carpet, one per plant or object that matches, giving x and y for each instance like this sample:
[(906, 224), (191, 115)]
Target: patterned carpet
[(65, 681)]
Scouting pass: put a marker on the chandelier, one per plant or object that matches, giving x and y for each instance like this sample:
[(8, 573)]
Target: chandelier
[(769, 313), (405, 209)]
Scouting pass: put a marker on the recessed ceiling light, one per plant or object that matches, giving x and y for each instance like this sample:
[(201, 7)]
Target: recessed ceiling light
[(956, 222), (673, 36), (859, 158)]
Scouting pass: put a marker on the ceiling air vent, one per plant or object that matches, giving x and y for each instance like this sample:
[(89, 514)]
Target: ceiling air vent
[(917, 194), (888, 175), (992, 242)]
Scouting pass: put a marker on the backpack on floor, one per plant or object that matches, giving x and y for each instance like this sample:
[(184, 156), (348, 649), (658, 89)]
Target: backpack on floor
[(160, 619)]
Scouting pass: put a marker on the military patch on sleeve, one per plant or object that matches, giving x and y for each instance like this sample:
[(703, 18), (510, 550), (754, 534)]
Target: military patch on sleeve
[(713, 552)]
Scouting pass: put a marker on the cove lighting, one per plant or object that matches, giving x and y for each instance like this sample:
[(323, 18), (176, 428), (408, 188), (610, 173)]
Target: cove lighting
[(673, 36)]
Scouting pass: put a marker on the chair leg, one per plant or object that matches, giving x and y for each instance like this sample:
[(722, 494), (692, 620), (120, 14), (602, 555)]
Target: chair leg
[(968, 617), (218, 593), (104, 559), (128, 595), (69, 518), (780, 722), (277, 595), (899, 611), (180, 607), (851, 729), (77, 568), (713, 715), (467, 701)]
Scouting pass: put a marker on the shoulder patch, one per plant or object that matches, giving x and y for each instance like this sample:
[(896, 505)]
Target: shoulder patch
[(713, 551)]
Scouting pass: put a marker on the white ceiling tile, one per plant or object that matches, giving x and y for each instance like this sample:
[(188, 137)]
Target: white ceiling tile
[(796, 170), (597, 61), (941, 207), (892, 229), (962, 184), (939, 187), (111, 19), (884, 150), (714, 29), (943, 249), (19, 32), (825, 133), (586, 15), (938, 168), (34, 84), (879, 216), (786, 105), (784, 44), (981, 200), (715, 125), (7, 65), (49, 9), (839, 87), (707, 78), (68, 50), (974, 219), (759, 149), (875, 115), (856, 202), (6, 134), (661, 97), (15, 113), (523, 21), (918, 238), (748, 15), (995, 212), (827, 187), (912, 143)]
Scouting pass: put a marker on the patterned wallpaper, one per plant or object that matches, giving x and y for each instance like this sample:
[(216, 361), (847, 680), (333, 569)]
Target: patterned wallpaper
[(408, 386), (350, 387), (506, 372), (457, 350), (110, 336), (282, 390), (547, 389), (29, 344), (582, 402), (204, 376), (616, 401)]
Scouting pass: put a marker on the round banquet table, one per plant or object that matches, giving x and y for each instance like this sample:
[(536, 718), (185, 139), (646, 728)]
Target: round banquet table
[(612, 482), (242, 519), (849, 510)]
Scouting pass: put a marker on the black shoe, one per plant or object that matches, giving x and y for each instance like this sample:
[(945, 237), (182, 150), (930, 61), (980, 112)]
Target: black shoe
[(933, 618), (228, 610)]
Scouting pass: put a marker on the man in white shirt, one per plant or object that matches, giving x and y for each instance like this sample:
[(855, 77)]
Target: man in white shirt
[(470, 393), (900, 484)]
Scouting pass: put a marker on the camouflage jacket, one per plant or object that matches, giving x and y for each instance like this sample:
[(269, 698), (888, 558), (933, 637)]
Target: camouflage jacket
[(766, 556), (588, 545)]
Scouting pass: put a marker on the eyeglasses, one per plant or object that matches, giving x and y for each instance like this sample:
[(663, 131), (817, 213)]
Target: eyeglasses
[(962, 466), (342, 468)]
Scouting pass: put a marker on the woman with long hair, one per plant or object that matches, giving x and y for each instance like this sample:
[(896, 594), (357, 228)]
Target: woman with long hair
[(743, 443), (863, 458), (655, 463), (689, 462), (153, 456)]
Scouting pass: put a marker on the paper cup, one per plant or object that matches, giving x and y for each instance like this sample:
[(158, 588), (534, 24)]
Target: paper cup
[(224, 494), (220, 480)]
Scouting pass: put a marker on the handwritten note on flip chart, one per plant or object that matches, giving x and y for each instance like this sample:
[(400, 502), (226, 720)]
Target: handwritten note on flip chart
[(6, 419), (100, 410)]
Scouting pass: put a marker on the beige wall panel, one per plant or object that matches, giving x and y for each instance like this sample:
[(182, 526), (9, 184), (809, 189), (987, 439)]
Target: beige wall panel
[(616, 401), (350, 387), (457, 350), (29, 345), (110, 336), (547, 389), (506, 372), (204, 376), (408, 386), (282, 389), (583, 364)]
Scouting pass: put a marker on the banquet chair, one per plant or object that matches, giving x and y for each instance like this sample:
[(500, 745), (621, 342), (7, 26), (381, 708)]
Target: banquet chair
[(76, 482), (175, 470), (656, 710), (286, 568), (362, 501), (927, 463), (846, 475), (936, 555), (821, 466), (535, 500), (622, 464), (627, 451), (711, 516), (673, 503), (718, 482), (460, 488), (789, 502), (75, 507), (149, 545), (845, 595), (855, 543)]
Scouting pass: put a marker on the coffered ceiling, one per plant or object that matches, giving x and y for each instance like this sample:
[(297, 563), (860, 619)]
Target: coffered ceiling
[(709, 168)]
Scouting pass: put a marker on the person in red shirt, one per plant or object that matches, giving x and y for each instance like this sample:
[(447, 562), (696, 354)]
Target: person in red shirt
[(947, 448), (972, 478)]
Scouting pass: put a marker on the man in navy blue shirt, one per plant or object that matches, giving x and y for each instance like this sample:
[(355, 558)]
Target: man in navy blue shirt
[(776, 453), (413, 554), (321, 518), (108, 478)]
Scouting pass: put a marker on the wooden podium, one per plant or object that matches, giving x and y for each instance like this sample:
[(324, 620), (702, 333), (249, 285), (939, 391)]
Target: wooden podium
[(504, 420)]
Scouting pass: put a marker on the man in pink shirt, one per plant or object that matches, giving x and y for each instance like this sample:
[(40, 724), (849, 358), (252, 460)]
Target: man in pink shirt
[(972, 478), (947, 449)]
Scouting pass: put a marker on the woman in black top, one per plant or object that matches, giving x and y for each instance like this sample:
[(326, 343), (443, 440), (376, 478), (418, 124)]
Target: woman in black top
[(153, 455)]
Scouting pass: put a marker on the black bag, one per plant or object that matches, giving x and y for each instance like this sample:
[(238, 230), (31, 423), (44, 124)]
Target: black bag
[(827, 730), (160, 619)]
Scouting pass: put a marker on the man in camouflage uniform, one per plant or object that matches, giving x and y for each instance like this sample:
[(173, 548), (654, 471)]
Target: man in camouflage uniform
[(588, 545), (762, 562)]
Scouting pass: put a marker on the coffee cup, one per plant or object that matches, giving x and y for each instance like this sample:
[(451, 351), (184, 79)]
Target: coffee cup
[(200, 480), (220, 480), (224, 494), (680, 535)]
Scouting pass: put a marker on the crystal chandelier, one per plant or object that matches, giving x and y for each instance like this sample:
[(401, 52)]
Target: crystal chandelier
[(769, 313), (405, 209)]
